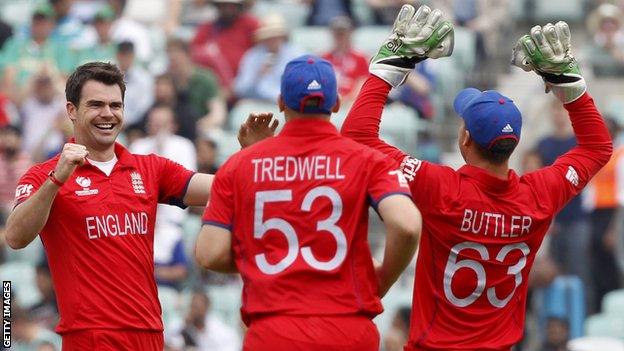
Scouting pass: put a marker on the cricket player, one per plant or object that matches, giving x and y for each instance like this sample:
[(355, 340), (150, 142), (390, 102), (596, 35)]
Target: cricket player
[(291, 214), (94, 207), (482, 223)]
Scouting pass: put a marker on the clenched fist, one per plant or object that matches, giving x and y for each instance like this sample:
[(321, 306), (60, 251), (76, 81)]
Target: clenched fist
[(72, 156)]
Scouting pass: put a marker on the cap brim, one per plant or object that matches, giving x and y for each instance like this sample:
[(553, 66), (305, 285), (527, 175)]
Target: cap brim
[(463, 98)]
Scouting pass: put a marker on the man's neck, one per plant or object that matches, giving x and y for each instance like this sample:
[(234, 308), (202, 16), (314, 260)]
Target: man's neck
[(101, 154), (499, 171)]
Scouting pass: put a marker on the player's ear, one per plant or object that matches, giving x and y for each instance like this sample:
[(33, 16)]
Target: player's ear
[(336, 107), (71, 110), (280, 103), (466, 140)]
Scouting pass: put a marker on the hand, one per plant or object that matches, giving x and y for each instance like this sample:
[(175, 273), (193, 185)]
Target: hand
[(548, 52), (72, 156), (416, 36), (257, 127)]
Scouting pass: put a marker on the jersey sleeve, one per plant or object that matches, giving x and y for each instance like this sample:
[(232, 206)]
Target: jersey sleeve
[(220, 209), (173, 181), (29, 183), (385, 180), (569, 174)]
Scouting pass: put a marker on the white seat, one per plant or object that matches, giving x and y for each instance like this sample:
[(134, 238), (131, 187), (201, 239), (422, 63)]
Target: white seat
[(226, 302), (550, 10), (368, 39), (605, 325), (595, 344), (22, 276)]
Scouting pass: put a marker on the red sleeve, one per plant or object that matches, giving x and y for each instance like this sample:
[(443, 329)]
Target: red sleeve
[(571, 171), (220, 209), (29, 183), (362, 122), (173, 182), (385, 179)]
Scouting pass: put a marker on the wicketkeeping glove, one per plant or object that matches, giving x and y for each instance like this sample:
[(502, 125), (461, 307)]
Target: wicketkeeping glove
[(547, 51), (416, 35)]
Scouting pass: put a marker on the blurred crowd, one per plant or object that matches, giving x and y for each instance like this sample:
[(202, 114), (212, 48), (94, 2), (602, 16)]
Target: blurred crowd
[(194, 69)]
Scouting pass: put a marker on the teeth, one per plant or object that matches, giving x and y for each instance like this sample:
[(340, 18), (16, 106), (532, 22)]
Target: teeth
[(104, 126)]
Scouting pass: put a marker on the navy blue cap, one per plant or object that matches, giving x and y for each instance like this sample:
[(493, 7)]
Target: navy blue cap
[(308, 77), (489, 116)]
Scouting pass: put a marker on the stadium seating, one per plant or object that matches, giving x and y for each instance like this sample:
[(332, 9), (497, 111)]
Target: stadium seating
[(243, 108), (22, 276), (313, 40), (595, 344), (550, 10), (368, 39), (613, 303), (563, 298), (171, 305), (605, 325), (226, 302)]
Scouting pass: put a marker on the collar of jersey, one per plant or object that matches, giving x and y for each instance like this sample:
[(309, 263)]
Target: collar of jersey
[(124, 157), (488, 181), (308, 126)]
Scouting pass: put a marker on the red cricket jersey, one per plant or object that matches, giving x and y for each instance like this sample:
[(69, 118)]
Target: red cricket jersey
[(297, 205), (480, 233), (99, 239)]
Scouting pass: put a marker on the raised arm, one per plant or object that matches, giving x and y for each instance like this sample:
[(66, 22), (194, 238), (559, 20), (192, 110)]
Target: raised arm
[(547, 51), (416, 36), (30, 216)]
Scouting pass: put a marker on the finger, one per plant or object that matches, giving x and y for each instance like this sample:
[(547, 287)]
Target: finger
[(553, 39), (403, 19), (242, 131), (274, 125), (418, 21), (528, 44), (268, 118), (434, 18), (563, 32), (538, 37)]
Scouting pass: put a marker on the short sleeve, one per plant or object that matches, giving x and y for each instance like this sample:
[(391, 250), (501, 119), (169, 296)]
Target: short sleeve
[(173, 181), (29, 183), (385, 179), (220, 209)]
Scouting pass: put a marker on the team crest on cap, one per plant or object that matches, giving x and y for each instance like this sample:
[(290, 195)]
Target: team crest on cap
[(137, 183), (314, 85), (507, 129)]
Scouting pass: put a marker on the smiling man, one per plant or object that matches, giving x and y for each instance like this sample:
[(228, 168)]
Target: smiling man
[(94, 206)]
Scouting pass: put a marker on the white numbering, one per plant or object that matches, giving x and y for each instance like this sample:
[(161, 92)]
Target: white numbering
[(329, 224), (453, 265)]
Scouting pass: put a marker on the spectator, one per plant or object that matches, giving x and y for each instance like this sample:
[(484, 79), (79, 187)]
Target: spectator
[(8, 111), (207, 150), (557, 335), (13, 163), (127, 29), (69, 29), (25, 56), (184, 113), (206, 332), (322, 12), (384, 11), (198, 86), (604, 197), (417, 90), (196, 12), (570, 231), (399, 331), (28, 335), (6, 31), (45, 312), (351, 66), (103, 49), (169, 256), (221, 44), (605, 53), (41, 113), (262, 66), (139, 84)]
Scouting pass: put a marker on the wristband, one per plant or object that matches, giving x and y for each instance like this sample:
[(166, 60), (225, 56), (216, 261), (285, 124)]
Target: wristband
[(55, 180)]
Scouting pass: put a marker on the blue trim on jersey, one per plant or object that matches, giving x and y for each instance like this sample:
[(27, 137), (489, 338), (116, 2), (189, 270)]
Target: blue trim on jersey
[(376, 203), (180, 201), (218, 224)]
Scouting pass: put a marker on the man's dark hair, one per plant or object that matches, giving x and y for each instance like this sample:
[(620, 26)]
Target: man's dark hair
[(499, 152), (106, 73), (125, 47)]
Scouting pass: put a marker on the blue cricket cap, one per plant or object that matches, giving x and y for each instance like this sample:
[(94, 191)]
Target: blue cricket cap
[(308, 79), (489, 116)]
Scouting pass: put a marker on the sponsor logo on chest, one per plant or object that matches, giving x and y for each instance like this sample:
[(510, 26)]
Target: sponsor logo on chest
[(137, 183), (85, 183)]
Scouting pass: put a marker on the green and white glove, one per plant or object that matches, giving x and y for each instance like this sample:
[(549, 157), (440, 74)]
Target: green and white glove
[(416, 35), (547, 51)]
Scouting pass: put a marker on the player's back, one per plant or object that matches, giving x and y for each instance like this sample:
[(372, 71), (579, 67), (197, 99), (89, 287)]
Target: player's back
[(480, 237), (300, 222)]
